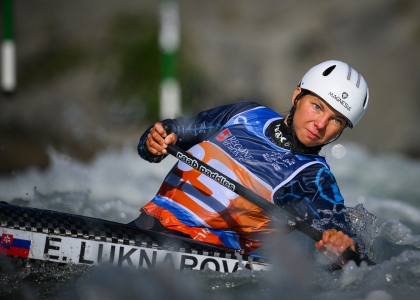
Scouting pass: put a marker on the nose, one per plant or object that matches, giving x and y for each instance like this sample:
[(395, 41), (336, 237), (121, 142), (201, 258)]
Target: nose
[(321, 121)]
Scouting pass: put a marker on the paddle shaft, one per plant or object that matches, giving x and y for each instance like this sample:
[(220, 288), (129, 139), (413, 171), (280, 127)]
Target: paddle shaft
[(256, 199)]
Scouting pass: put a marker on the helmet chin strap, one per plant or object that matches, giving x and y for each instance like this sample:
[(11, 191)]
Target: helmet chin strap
[(289, 122), (334, 139)]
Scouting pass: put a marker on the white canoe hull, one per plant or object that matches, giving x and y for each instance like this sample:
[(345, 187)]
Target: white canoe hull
[(35, 234)]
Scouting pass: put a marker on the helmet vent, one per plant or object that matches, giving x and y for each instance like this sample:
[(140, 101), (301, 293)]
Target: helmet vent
[(328, 70), (365, 102)]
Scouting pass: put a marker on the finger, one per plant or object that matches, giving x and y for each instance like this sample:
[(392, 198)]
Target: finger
[(157, 138), (348, 243), (341, 239), (344, 242), (338, 238), (160, 130), (153, 143), (326, 236), (151, 149), (171, 139), (324, 240), (329, 239), (334, 242), (319, 244)]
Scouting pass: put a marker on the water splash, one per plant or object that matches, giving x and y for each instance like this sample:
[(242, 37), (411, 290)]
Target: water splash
[(363, 225), (338, 151), (359, 223)]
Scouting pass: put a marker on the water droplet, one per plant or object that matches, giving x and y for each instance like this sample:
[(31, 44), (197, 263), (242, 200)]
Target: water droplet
[(338, 151)]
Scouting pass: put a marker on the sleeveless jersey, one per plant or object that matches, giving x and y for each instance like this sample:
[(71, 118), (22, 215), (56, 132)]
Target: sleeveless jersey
[(194, 204)]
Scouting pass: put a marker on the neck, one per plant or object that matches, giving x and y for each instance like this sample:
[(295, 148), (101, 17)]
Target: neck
[(285, 137)]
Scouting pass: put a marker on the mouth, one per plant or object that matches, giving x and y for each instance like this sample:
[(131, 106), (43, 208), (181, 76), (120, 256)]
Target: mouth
[(312, 135)]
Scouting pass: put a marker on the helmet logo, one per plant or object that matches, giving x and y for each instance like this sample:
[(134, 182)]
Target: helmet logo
[(344, 95), (341, 100)]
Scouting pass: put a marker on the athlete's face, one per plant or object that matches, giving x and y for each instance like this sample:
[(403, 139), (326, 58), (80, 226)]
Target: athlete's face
[(315, 121)]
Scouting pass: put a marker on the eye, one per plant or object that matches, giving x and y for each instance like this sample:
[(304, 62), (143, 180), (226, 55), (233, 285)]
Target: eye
[(338, 121), (316, 106)]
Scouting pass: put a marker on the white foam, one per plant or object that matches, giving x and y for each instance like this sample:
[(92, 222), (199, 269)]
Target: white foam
[(111, 175), (387, 185)]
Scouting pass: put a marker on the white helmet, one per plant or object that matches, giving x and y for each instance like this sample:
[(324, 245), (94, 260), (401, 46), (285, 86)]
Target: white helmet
[(340, 86)]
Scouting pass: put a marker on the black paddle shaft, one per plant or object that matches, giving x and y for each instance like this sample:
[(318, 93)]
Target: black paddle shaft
[(256, 199)]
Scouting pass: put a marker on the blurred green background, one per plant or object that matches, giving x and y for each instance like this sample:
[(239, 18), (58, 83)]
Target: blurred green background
[(88, 72)]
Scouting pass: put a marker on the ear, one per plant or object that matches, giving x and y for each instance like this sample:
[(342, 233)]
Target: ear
[(295, 93)]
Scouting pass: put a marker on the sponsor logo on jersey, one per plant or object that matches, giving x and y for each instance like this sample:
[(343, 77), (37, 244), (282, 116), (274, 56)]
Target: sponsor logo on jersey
[(277, 160), (238, 151), (206, 171), (279, 136), (234, 145), (223, 135)]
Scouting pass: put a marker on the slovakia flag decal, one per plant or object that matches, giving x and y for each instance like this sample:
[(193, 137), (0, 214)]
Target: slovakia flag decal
[(14, 247)]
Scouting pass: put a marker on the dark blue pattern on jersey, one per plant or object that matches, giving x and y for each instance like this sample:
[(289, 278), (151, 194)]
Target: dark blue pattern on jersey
[(307, 195)]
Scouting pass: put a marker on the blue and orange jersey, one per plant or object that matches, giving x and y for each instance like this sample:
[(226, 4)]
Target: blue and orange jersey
[(233, 139)]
